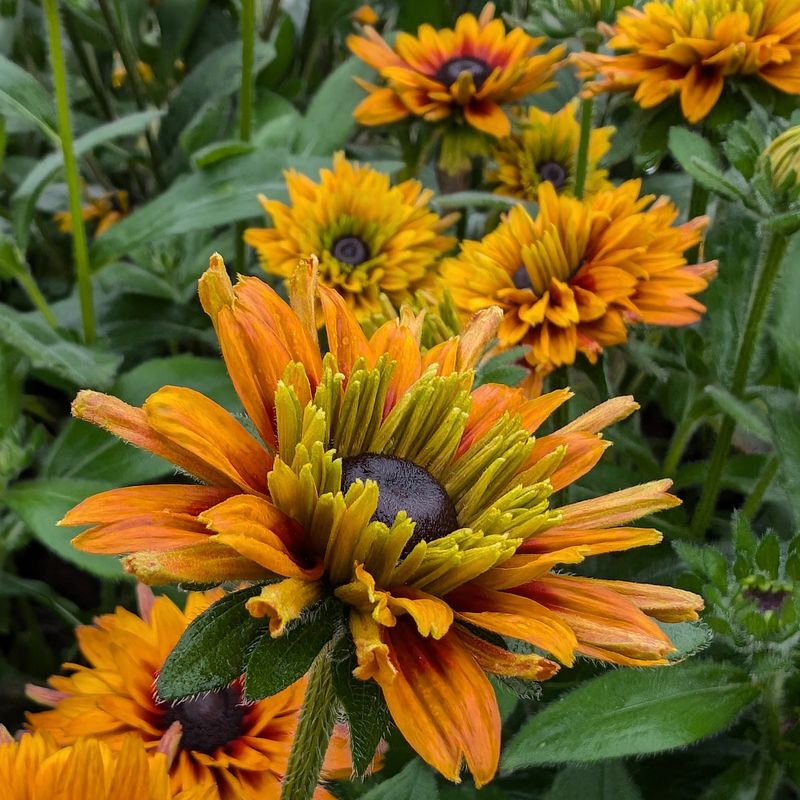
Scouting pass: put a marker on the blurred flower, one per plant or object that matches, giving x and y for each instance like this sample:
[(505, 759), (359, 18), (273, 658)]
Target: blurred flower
[(573, 278), (370, 237), (365, 15), (545, 149), (469, 72), (564, 19), (241, 748), (119, 74), (35, 768), (104, 209), (783, 155), (692, 47), (383, 478)]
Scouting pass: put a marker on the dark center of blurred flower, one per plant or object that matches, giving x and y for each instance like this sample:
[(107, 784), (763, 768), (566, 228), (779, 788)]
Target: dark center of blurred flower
[(210, 720), (767, 599), (449, 71), (404, 486), (553, 172), (521, 279), (350, 250)]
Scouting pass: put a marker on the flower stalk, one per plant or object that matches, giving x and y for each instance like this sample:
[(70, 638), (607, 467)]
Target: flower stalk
[(582, 158), (313, 731), (772, 253), (248, 33), (79, 241)]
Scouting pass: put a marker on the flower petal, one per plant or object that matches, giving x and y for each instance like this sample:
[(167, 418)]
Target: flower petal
[(284, 602)]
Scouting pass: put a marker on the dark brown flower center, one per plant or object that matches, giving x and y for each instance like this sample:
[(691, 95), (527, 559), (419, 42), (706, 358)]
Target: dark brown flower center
[(449, 71), (350, 250), (210, 720), (553, 172), (521, 279), (767, 599), (404, 486)]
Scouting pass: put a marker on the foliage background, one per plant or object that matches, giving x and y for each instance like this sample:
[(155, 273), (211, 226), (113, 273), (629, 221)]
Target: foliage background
[(174, 144)]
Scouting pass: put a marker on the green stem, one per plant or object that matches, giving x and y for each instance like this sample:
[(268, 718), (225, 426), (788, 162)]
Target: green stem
[(698, 203), (27, 282), (772, 252), (79, 241), (248, 32), (772, 713), (755, 498), (680, 438), (313, 732), (581, 161)]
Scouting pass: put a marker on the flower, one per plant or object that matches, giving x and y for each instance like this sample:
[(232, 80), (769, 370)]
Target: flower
[(545, 149), (573, 278), (384, 478), (35, 768), (241, 749), (469, 72), (106, 209), (370, 237), (119, 75), (365, 15), (783, 155), (693, 47)]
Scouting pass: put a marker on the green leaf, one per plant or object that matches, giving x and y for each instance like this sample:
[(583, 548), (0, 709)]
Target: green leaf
[(609, 781), (415, 781), (24, 98), (472, 200), (24, 199), (219, 151), (74, 363), (41, 503), (363, 703), (633, 712), (275, 664), (689, 638), (329, 120), (213, 649), (742, 413)]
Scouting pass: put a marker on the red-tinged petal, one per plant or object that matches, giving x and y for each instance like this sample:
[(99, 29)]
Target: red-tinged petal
[(603, 416), (381, 107), (521, 568), (133, 501), (204, 563), (198, 425), (487, 116), (594, 540), (700, 90), (155, 532), (257, 530), (583, 452), (519, 617), (399, 342), (345, 337), (498, 661), (443, 703)]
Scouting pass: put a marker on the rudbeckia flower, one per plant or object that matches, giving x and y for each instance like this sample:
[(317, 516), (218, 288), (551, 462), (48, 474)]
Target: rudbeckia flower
[(691, 48), (381, 480), (105, 209), (34, 767), (545, 149), (572, 279), (240, 749), (370, 237), (470, 72)]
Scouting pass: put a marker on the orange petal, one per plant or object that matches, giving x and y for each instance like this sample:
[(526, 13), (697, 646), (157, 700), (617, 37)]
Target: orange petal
[(346, 339), (700, 90), (487, 116), (478, 332), (603, 416), (284, 602), (432, 616), (521, 568), (372, 653), (443, 703), (662, 602), (401, 345), (154, 532), (498, 661), (594, 541)]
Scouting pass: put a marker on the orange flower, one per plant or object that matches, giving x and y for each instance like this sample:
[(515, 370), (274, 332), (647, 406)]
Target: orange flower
[(105, 209), (572, 279), (470, 71), (240, 749), (385, 483), (693, 47)]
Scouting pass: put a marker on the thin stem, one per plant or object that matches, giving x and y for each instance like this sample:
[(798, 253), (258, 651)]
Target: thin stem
[(680, 438), (756, 497), (129, 61), (79, 241), (28, 283), (581, 161), (772, 714), (248, 32), (698, 203), (313, 732), (772, 252)]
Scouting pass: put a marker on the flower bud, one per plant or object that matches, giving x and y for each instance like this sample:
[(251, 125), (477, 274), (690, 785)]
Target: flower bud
[(783, 155)]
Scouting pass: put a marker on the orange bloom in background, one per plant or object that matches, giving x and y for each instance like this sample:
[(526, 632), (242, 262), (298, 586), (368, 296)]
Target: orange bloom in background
[(691, 48), (34, 767), (365, 15), (370, 237), (574, 278), (382, 477), (240, 749), (105, 209), (469, 71)]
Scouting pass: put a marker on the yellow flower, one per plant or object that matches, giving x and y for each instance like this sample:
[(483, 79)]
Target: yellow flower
[(240, 749), (365, 15), (105, 209), (469, 72), (545, 149), (573, 278), (382, 477), (369, 236), (783, 155), (691, 48), (35, 768), (119, 74)]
